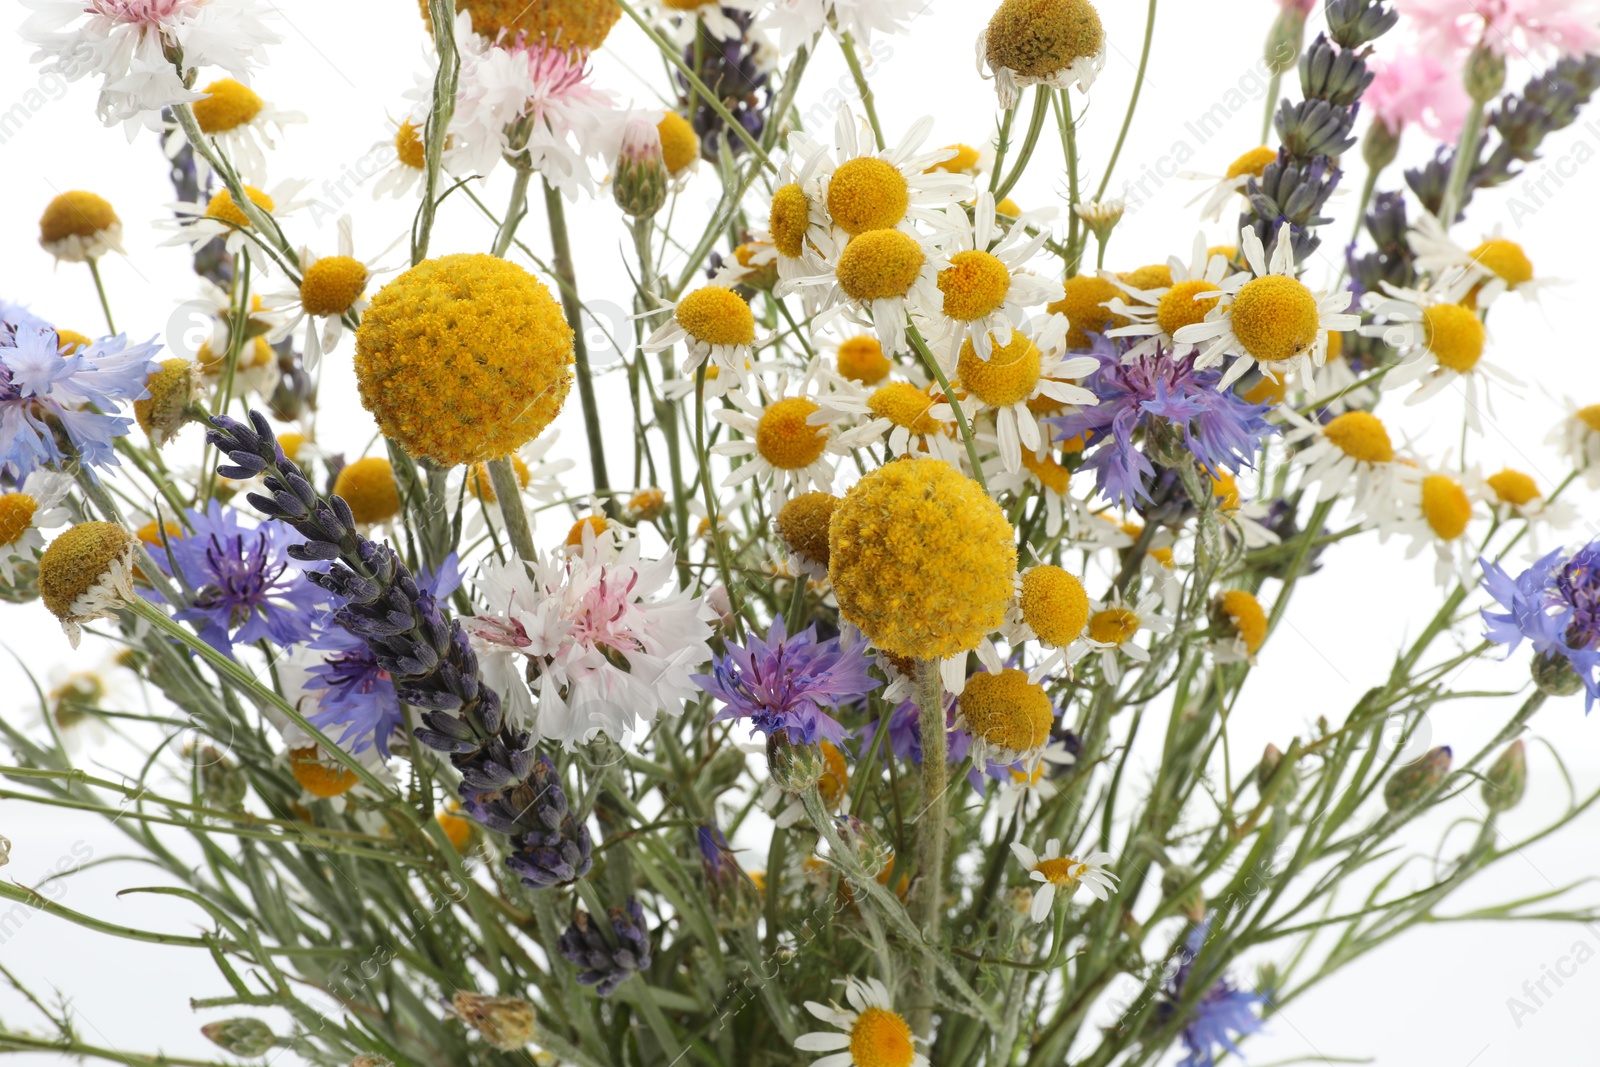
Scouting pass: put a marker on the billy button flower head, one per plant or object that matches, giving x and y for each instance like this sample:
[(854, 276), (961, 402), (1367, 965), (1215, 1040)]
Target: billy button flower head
[(1059, 873), (1190, 292), (24, 512), (331, 287), (1058, 43), (239, 121), (1113, 625), (1241, 625), (77, 226), (85, 574), (986, 289), (1231, 183), (567, 23), (1268, 316), (463, 358), (1008, 716), (1495, 266), (717, 327), (872, 1033), (1351, 448), (802, 526), (1013, 375), (786, 438)]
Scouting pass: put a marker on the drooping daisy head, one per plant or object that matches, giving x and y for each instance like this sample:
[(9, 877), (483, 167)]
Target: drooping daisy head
[(910, 419), (234, 116), (78, 226), (1241, 625), (1351, 455), (1057, 872), (873, 1033), (1578, 436), (25, 512), (1231, 182), (1433, 509), (86, 573), (1058, 43), (1085, 303), (1496, 265), (1113, 625)]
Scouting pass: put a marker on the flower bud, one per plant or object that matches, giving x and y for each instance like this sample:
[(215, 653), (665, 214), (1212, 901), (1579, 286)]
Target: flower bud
[(1101, 216), (507, 1023), (640, 183), (1411, 783), (1554, 675), (1284, 39), (1270, 760), (1485, 74), (245, 1038), (796, 768), (1507, 779), (1192, 903), (172, 388), (1380, 146)]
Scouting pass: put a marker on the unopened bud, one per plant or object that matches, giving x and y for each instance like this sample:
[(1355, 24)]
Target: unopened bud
[(1380, 146), (1270, 761), (245, 1038), (1411, 783), (1507, 779), (1101, 216), (1285, 38), (1485, 75), (796, 768), (507, 1023), (221, 784), (1554, 675), (1192, 903), (640, 181)]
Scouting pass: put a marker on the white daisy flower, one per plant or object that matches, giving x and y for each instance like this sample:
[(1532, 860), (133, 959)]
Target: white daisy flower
[(1023, 792), (239, 122), (878, 279), (1113, 624), (1008, 715), (872, 1033), (796, 23), (405, 174), (1059, 873), (712, 14), (1243, 517), (538, 479), (1015, 374), (784, 438), (35, 506), (1434, 510), (986, 289), (1022, 46), (1512, 494), (1334, 384), (916, 420), (1350, 456), (1224, 187), (199, 224), (1496, 265), (1268, 316), (1578, 437), (719, 329), (331, 287), (1050, 481), (1159, 313)]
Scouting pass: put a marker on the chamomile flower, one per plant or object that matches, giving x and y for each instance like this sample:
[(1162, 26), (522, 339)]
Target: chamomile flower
[(1350, 456), (1057, 872), (784, 439), (240, 122), (872, 1033), (33, 507), (1158, 313), (199, 224), (1242, 516), (880, 277), (1008, 716), (1014, 374), (1336, 383), (1443, 339), (79, 226), (406, 172), (1241, 625), (1058, 43), (797, 220), (1046, 477), (1268, 316), (538, 479), (1113, 624), (986, 288), (1496, 265), (1231, 183), (1052, 610), (331, 287), (1512, 494), (1022, 791), (1434, 510), (915, 420), (718, 327), (1578, 437), (797, 22)]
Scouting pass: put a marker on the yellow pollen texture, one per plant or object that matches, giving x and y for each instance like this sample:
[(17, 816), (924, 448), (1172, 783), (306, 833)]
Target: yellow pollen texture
[(784, 438), (319, 777), (1506, 259), (680, 145), (803, 525), (1252, 163), (904, 405), (1590, 417), (1275, 318), (647, 504), (835, 774), (1061, 871), (1009, 376), (1178, 307), (567, 23), (867, 194), (481, 485), (222, 207), (881, 1038), (1514, 487), (1454, 335), (880, 265), (463, 358), (788, 220), (974, 285), (1037, 38), (1245, 614), (714, 315), (368, 486), (227, 105), (1226, 489), (1360, 435), (921, 559), (76, 214), (408, 146), (1113, 626), (332, 284), (861, 359), (1052, 475), (1082, 303), (16, 515), (1007, 711), (1054, 604), (78, 560), (1446, 506), (595, 525), (1153, 276)]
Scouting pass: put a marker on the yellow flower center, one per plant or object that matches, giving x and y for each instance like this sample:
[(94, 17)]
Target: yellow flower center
[(1054, 604), (1267, 391), (321, 778), (880, 1038), (1008, 207), (1445, 505), (1590, 417), (565, 23), (408, 146), (16, 515), (1275, 318), (880, 265), (785, 439), (974, 285), (861, 359), (1514, 487), (1454, 335), (714, 315), (1226, 489), (368, 486), (867, 194), (789, 219), (1052, 475), (332, 284), (1009, 376), (595, 525), (1007, 711), (457, 828), (256, 354), (803, 526), (1153, 276), (1228, 252), (1360, 435), (1249, 621), (965, 160), (1335, 345), (1506, 259), (1027, 778), (77, 561), (647, 504), (1062, 871), (1178, 307), (69, 341), (223, 208), (680, 145), (1252, 163), (904, 405), (835, 774), (481, 485), (1082, 302), (1113, 626), (151, 532), (226, 106), (291, 443), (1039, 38), (76, 214), (170, 390)]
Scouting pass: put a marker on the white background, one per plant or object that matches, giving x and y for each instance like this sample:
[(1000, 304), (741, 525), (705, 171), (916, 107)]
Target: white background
[(1438, 996)]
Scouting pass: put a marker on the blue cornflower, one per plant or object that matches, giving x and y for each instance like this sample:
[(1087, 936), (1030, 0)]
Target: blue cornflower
[(783, 683), (1219, 1018), (357, 693), (1555, 604), (41, 390), (239, 580), (1218, 428)]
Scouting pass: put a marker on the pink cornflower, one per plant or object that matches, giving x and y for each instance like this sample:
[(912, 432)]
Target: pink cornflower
[(1531, 29), (1417, 90)]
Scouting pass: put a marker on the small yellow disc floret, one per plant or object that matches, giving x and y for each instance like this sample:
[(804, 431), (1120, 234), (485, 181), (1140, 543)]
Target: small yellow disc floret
[(1454, 335), (803, 525), (1446, 506), (408, 146), (1514, 487), (789, 219), (1360, 435), (1153, 276), (867, 193), (647, 504), (1178, 307), (714, 315), (1038, 38), (880, 265), (1009, 376), (965, 160), (974, 285), (1275, 318), (222, 207), (861, 359), (785, 439), (68, 341), (1007, 711), (76, 214), (226, 106), (1052, 475), (1054, 604), (332, 284), (1082, 303), (16, 515), (1113, 626), (368, 486), (1246, 617), (593, 525), (680, 145)]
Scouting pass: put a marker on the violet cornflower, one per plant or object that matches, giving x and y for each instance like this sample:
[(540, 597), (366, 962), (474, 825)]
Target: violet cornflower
[(1555, 604), (1222, 1015)]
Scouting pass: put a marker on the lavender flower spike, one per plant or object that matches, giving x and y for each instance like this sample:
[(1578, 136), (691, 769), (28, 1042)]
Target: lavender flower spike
[(606, 960)]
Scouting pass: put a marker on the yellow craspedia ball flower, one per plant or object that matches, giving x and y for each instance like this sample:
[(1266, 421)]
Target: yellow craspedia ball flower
[(1037, 38), (85, 573), (320, 777), (1054, 604), (965, 160), (1009, 376), (68, 341), (789, 219), (1081, 303), (331, 284), (1243, 615), (1275, 318), (172, 388), (861, 359), (222, 207), (879, 265), (1360, 435), (803, 523), (1151, 276), (1006, 711), (463, 358), (1506, 260), (226, 106), (564, 23), (1513, 487), (680, 145), (867, 193), (78, 226), (368, 486), (1455, 335), (1446, 506), (921, 559)]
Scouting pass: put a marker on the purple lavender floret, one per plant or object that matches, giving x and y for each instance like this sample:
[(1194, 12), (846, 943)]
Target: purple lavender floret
[(606, 959)]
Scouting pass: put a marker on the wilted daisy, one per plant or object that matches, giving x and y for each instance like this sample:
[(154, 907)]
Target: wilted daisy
[(1496, 265), (232, 115), (1433, 509), (911, 420), (1057, 872), (1114, 623), (1159, 313), (1013, 375), (872, 1033), (718, 327), (331, 287), (1008, 716), (33, 507), (1241, 626), (1268, 316), (1349, 456), (200, 224), (784, 438), (986, 289), (1578, 437), (1231, 183), (86, 573), (1059, 43)]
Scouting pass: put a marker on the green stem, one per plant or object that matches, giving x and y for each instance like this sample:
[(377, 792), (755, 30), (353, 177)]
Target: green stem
[(442, 13), (516, 208), (1041, 101), (847, 45), (929, 904), (1133, 102), (921, 346), (99, 288), (1461, 167), (508, 494)]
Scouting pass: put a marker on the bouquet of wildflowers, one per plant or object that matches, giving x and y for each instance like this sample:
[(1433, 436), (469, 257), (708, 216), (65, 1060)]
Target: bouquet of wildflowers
[(870, 707)]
